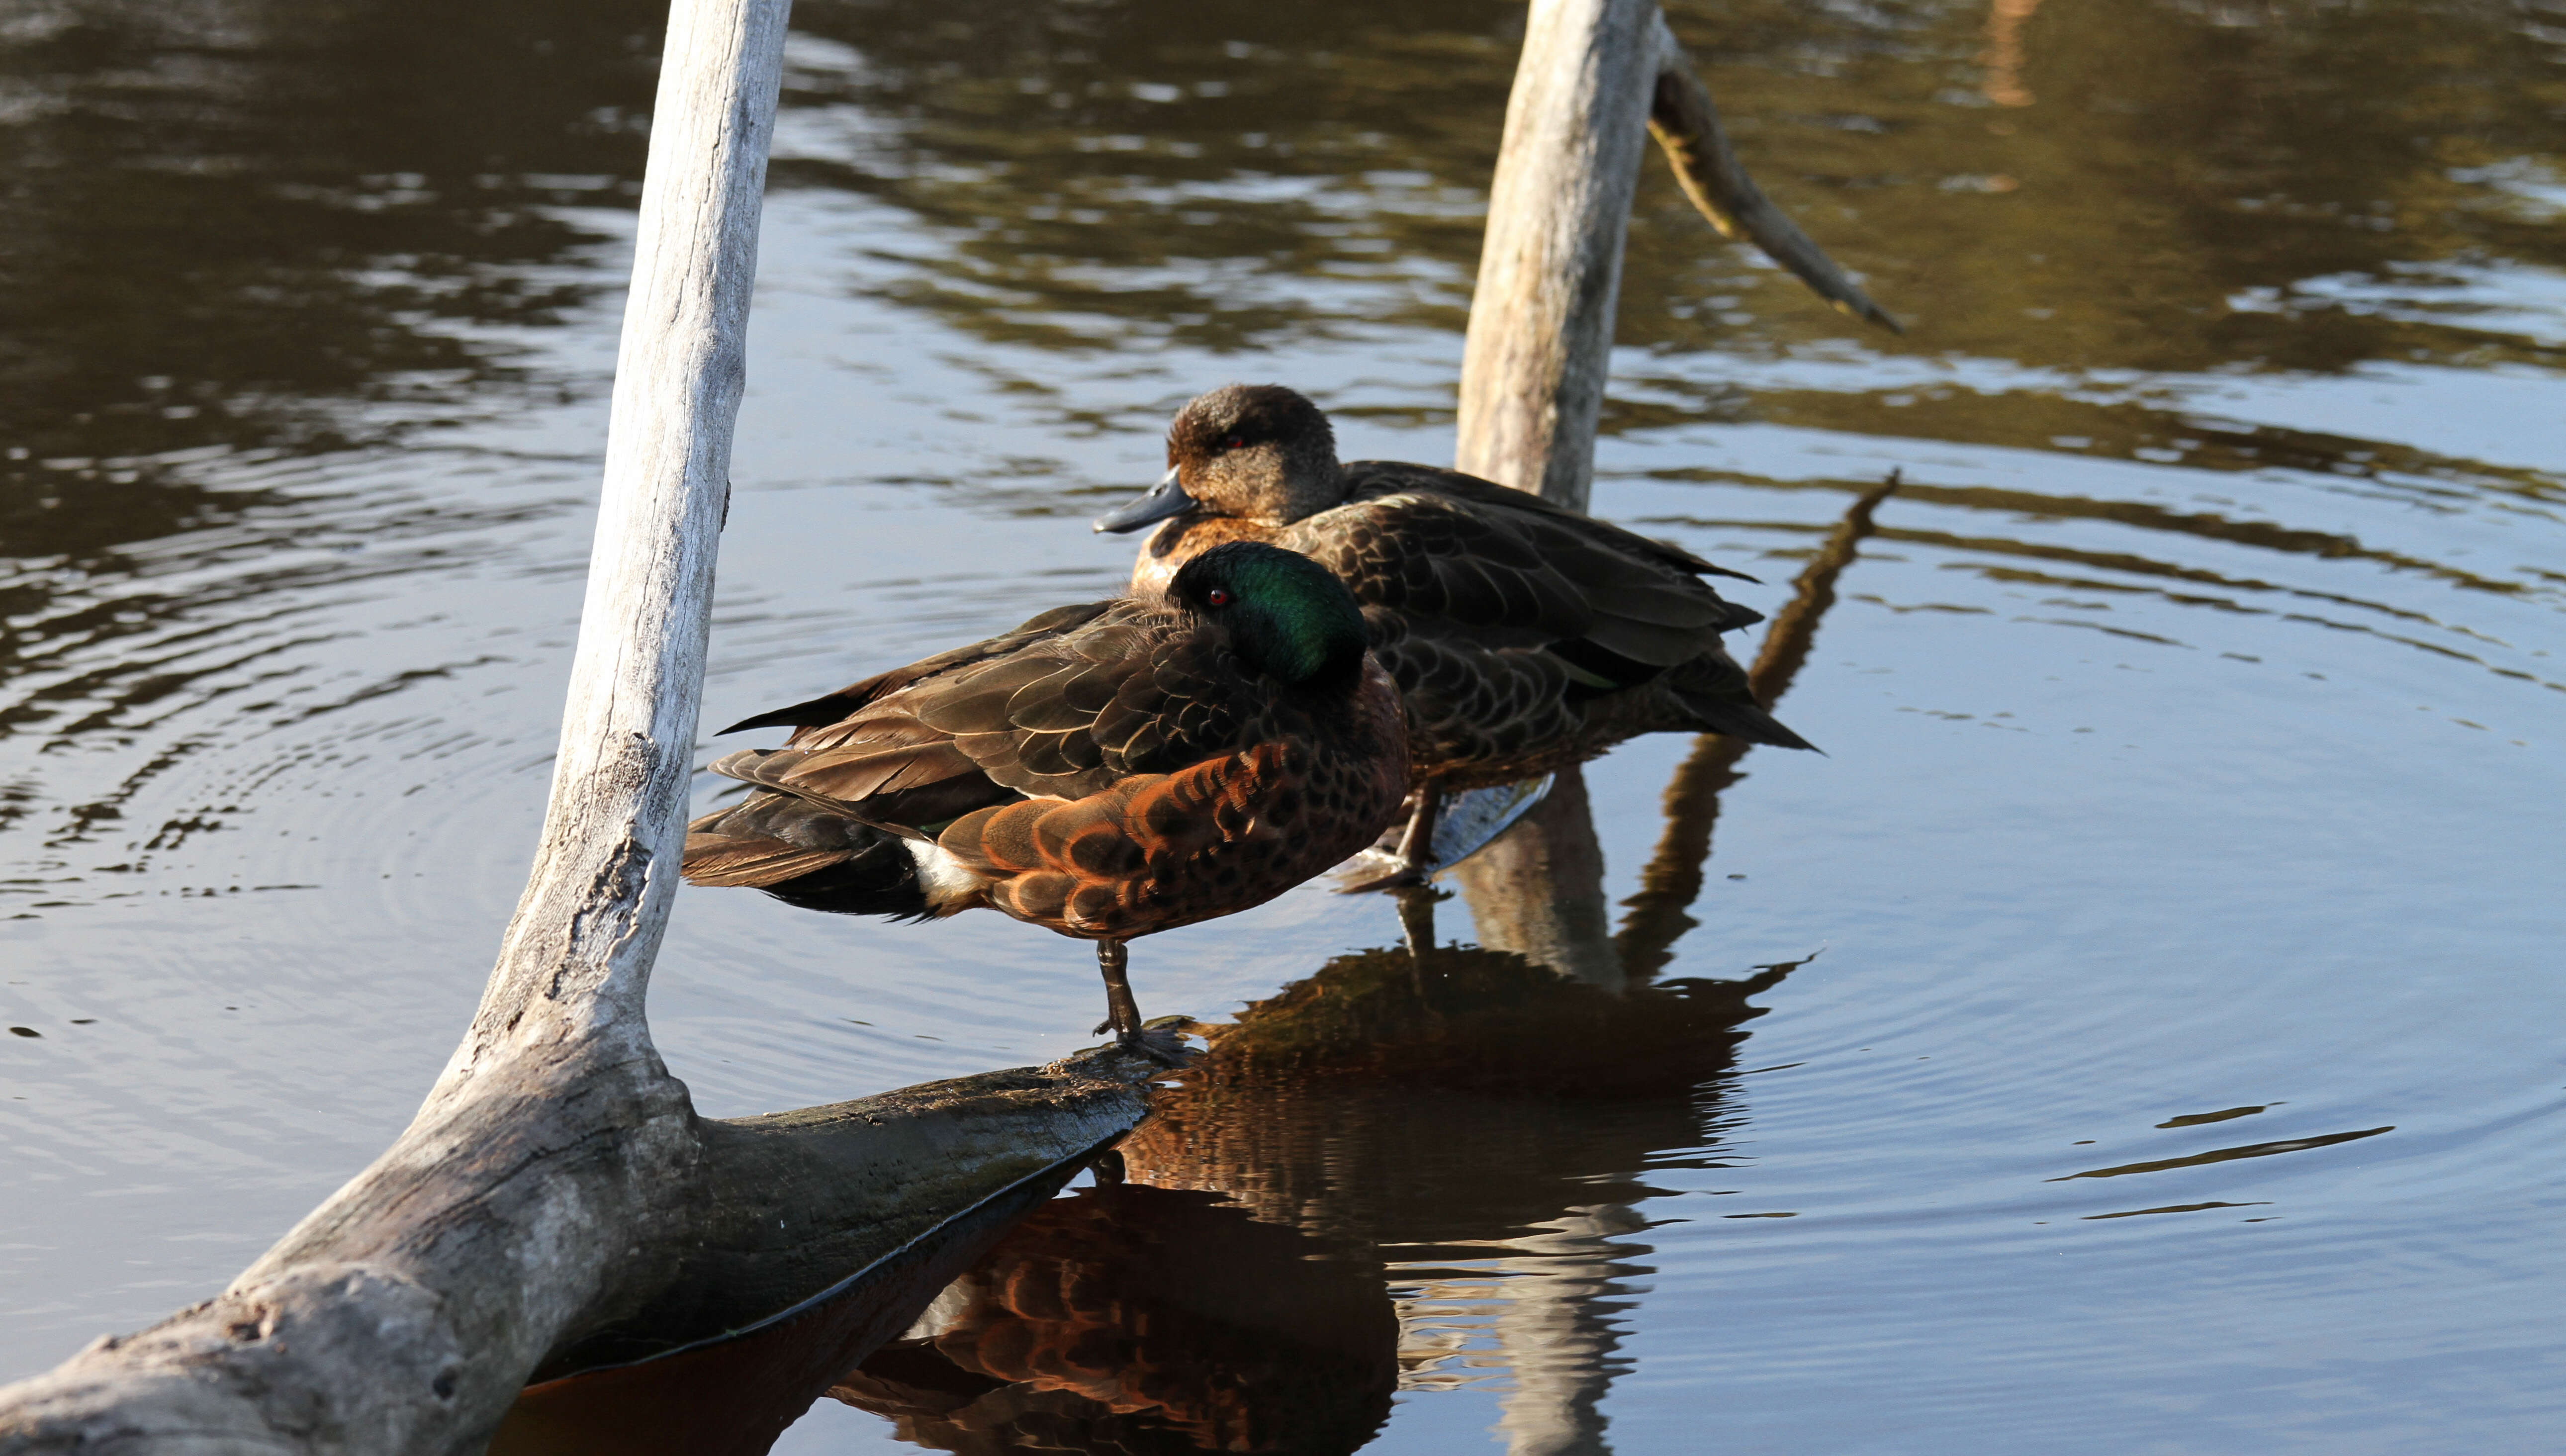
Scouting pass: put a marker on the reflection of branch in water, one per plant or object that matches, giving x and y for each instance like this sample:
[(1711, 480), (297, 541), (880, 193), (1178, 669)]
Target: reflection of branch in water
[(1674, 876), (2003, 55), (1538, 890)]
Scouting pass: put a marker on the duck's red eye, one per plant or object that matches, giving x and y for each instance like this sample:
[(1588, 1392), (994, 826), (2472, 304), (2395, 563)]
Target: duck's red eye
[(1218, 597), (1233, 442)]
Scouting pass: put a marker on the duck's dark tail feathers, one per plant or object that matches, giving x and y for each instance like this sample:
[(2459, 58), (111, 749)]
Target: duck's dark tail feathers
[(1715, 691), (805, 855)]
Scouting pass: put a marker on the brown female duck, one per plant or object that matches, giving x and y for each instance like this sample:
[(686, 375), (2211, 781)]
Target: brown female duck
[(1524, 637), (1104, 770)]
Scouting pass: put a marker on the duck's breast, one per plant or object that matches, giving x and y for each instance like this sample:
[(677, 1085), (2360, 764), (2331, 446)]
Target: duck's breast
[(1181, 541)]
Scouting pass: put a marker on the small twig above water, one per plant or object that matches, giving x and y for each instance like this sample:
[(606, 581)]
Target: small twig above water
[(1687, 126)]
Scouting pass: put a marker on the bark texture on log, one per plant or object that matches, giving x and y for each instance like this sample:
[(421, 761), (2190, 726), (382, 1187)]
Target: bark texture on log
[(556, 1201), (1532, 385), (1550, 269)]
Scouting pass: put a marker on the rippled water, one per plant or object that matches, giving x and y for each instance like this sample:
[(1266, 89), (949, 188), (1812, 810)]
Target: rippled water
[(2162, 1047)]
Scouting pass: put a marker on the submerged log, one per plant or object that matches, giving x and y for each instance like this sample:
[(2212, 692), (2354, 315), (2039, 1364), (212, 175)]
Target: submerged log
[(557, 1202)]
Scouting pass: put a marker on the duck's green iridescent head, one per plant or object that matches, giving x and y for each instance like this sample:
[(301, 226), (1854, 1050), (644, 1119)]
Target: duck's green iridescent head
[(1288, 617)]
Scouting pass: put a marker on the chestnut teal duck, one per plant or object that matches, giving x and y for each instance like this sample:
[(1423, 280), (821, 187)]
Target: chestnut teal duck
[(1524, 637), (1105, 770)]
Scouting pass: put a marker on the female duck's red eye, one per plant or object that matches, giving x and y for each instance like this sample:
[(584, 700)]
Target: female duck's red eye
[(1233, 442), (1218, 597)]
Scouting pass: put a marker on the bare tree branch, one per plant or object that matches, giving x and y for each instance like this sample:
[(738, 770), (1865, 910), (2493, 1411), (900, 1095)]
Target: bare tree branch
[(557, 1203), (1687, 126)]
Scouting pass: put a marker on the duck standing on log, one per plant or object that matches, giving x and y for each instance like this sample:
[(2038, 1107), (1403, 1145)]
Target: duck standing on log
[(1104, 770), (1524, 637)]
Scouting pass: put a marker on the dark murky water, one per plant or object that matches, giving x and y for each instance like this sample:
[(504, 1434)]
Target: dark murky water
[(2165, 1042)]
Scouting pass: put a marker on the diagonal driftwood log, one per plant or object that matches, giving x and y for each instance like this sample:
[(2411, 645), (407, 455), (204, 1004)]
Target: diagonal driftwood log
[(556, 1202), (1596, 76)]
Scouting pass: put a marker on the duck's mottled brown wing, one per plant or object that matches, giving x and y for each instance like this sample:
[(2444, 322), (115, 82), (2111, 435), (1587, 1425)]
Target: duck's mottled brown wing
[(836, 708), (1228, 832), (1061, 713), (1504, 568)]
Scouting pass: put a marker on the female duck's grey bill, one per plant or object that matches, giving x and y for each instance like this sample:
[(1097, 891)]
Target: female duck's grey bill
[(1165, 499)]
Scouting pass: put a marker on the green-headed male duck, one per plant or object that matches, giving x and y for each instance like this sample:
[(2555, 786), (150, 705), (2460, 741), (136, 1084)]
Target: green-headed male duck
[(1104, 770), (1524, 637)]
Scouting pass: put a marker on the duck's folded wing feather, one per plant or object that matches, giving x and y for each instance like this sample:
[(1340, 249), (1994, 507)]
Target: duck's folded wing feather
[(836, 708), (1129, 695), (721, 860), (1064, 714), (1382, 477), (1508, 569)]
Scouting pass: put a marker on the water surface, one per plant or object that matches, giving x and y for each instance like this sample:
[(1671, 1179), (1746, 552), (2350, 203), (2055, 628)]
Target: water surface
[(2157, 1050)]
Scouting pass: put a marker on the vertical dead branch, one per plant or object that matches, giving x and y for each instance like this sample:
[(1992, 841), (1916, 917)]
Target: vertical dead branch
[(1595, 74), (1532, 385), (1550, 271), (404, 1312), (556, 1202)]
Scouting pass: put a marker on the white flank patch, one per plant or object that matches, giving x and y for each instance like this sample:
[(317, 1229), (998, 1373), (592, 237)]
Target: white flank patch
[(944, 878)]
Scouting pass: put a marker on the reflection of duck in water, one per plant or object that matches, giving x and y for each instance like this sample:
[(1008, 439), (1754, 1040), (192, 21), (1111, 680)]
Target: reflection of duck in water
[(1485, 1122), (1447, 1085), (1104, 770), (1472, 1115), (1144, 1320), (1525, 638)]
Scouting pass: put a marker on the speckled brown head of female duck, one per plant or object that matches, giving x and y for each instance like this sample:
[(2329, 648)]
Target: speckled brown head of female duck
[(1259, 454)]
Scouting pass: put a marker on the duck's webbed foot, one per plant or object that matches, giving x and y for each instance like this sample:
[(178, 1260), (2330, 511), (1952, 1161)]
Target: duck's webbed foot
[(1163, 1040)]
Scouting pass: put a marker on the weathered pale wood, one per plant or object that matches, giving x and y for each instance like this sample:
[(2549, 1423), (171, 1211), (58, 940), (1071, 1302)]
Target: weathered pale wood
[(1532, 385), (1550, 269), (556, 1201), (1593, 75), (1687, 126)]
